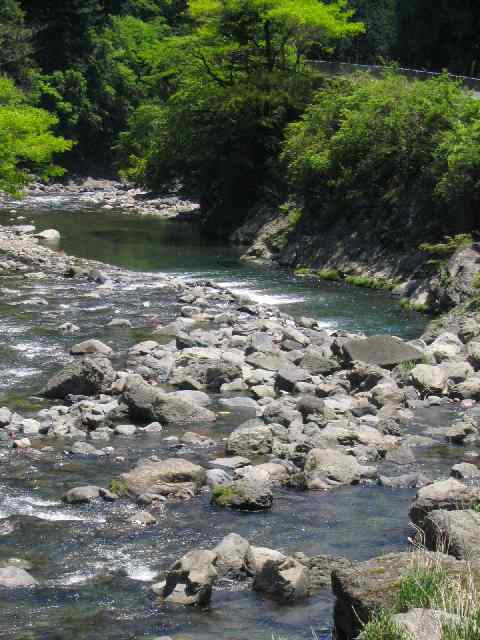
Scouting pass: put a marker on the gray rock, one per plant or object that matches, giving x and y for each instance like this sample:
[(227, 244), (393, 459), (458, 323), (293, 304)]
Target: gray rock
[(125, 430), (243, 495), (232, 553), (91, 347), (449, 495), (217, 476), (121, 323), (464, 471), (424, 624), (146, 402), (169, 477), (468, 390), (16, 578), (386, 351), (453, 532), (251, 438), (429, 379), (86, 377), (235, 462), (286, 581), (190, 580), (288, 376), (328, 468), (81, 495)]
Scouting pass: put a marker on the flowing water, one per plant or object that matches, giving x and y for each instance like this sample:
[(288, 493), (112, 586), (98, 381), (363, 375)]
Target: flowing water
[(94, 568)]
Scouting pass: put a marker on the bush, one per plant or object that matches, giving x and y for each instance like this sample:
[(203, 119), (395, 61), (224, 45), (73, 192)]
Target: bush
[(408, 164)]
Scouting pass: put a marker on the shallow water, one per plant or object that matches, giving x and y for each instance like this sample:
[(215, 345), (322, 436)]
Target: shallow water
[(95, 569)]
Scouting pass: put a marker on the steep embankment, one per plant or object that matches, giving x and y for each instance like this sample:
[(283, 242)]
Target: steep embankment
[(426, 277)]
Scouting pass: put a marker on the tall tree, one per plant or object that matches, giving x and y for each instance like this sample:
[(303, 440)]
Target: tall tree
[(15, 40)]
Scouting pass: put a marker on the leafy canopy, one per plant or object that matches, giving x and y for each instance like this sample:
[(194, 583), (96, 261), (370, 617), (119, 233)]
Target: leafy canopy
[(26, 140)]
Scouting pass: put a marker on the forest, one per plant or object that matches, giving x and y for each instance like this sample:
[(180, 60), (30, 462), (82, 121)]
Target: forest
[(219, 99)]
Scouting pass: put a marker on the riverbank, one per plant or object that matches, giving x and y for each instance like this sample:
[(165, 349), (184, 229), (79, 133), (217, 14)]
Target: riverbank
[(235, 413), (427, 277)]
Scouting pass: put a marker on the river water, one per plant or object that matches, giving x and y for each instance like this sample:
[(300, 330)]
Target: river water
[(94, 568)]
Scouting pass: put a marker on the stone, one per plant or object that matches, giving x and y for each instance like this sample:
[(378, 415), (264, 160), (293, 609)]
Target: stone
[(194, 396), (16, 578), (453, 532), (49, 236), (468, 390), (86, 377), (250, 438), (146, 402), (328, 468), (232, 553), (473, 354), (387, 394), (91, 347), (243, 495), (263, 391), (448, 495), (316, 363), (196, 440), (190, 580), (153, 427), (464, 471), (217, 476), (286, 581), (164, 477), (280, 412), (258, 557), (363, 589), (446, 347), (385, 351), (404, 481), (235, 462), (288, 376), (429, 379), (5, 416), (69, 327), (424, 624), (120, 323), (142, 518), (125, 430), (82, 495)]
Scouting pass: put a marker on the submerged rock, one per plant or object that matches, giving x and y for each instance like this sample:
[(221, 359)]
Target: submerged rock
[(170, 477)]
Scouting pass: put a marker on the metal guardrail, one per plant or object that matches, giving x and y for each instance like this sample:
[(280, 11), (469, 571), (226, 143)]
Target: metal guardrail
[(345, 68)]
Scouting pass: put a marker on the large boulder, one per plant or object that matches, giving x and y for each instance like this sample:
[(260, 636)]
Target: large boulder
[(386, 351), (328, 468), (170, 477), (90, 347), (86, 377), (449, 495), (288, 376), (251, 438), (424, 624), (363, 589), (243, 495), (454, 532), (287, 580), (15, 578), (190, 580), (232, 555), (429, 379), (148, 403)]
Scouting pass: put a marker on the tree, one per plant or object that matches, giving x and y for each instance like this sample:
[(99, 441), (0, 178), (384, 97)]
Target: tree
[(15, 40), (26, 140), (236, 80)]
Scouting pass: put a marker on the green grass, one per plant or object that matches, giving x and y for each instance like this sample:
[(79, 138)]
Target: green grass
[(329, 274), (407, 366), (370, 283), (118, 487), (421, 589), (476, 281), (383, 627), (303, 271), (448, 247), (466, 629), (223, 494)]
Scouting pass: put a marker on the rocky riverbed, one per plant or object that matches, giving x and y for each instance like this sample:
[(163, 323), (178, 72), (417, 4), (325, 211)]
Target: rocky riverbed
[(199, 404)]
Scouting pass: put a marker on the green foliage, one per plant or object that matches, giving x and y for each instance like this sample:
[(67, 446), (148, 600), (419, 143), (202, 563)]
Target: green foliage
[(118, 487), (465, 629), (302, 272), (383, 627), (414, 306), (370, 283), (223, 494), (476, 281), (27, 143), (15, 40), (448, 247), (236, 80), (421, 588), (338, 162), (329, 274)]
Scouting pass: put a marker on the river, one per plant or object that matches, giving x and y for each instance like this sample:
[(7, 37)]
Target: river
[(95, 570)]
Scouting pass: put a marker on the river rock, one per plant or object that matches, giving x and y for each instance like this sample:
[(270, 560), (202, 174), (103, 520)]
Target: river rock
[(81, 495), (363, 589), (125, 430), (91, 347), (454, 532), (190, 580), (146, 402), (49, 236), (386, 351), (464, 471), (328, 468), (424, 624), (251, 438), (258, 557), (170, 477), (243, 495), (16, 578), (468, 390), (232, 553), (86, 377), (429, 379), (288, 376), (448, 495), (287, 580), (235, 462), (218, 476)]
